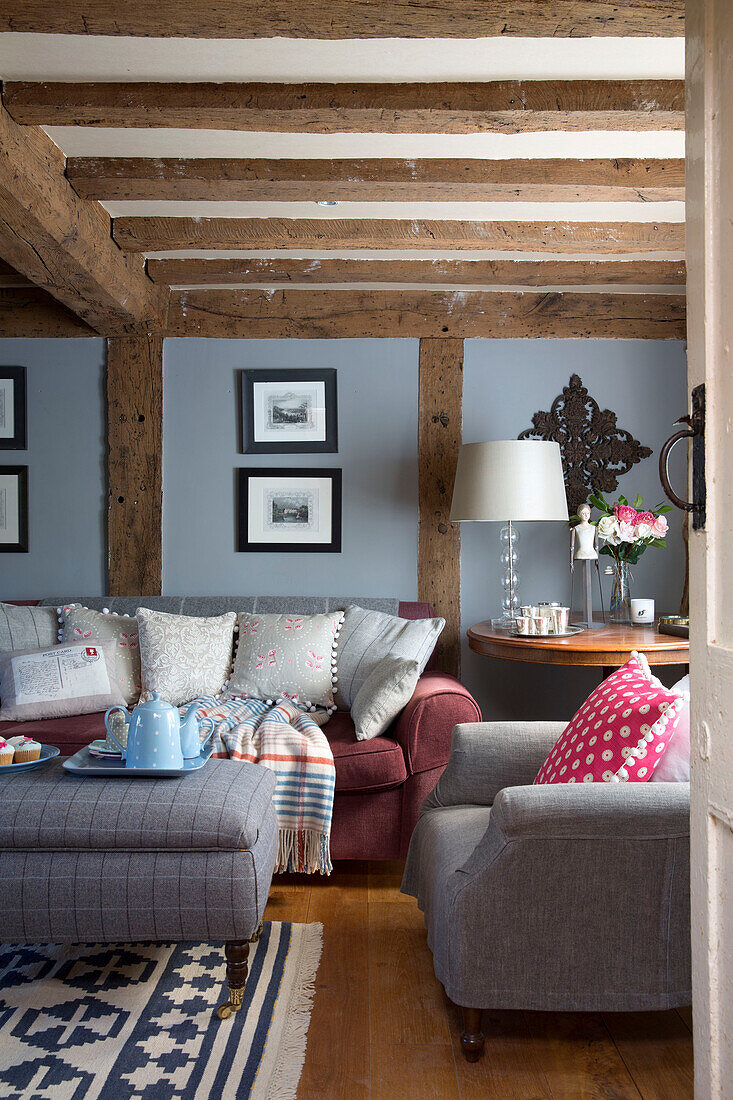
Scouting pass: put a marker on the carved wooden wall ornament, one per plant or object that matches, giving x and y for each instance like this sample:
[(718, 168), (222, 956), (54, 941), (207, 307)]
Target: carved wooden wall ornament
[(595, 451)]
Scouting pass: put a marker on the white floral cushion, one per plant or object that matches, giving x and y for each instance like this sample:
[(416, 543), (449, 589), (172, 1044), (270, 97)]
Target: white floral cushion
[(286, 655), (182, 656), (79, 624)]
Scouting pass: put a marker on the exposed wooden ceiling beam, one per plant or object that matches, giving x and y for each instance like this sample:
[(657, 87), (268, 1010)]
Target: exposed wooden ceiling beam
[(291, 313), (430, 180), (334, 19), (284, 314), (29, 311), (62, 243), (195, 272), (150, 234), (504, 106)]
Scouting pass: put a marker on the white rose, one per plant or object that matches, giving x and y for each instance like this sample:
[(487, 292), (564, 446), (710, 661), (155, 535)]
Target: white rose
[(608, 530), (627, 532), (644, 531)]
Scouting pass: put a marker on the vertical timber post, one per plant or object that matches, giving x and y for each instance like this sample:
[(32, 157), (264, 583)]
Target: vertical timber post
[(439, 440), (135, 465)]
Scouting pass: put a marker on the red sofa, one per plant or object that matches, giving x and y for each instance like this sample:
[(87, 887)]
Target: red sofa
[(380, 784)]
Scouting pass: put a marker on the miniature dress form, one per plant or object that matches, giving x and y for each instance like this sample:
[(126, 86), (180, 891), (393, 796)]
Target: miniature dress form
[(584, 537), (584, 549)]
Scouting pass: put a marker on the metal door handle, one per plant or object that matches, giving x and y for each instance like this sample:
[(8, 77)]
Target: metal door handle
[(695, 429)]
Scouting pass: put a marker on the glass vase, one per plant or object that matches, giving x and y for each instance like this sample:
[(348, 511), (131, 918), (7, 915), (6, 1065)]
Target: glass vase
[(620, 602)]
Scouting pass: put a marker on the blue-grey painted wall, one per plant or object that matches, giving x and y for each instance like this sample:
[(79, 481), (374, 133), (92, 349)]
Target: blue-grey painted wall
[(66, 469), (377, 396), (505, 382)]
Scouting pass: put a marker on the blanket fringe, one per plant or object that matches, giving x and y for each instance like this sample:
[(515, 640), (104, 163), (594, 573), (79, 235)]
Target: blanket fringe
[(304, 851)]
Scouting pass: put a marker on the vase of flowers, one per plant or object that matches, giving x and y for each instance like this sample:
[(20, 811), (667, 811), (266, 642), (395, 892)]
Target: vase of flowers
[(627, 530)]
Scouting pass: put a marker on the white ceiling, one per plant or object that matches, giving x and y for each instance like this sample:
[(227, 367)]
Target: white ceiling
[(87, 57), (100, 141), (466, 211)]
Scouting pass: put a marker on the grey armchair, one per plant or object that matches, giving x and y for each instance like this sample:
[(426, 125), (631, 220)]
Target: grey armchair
[(571, 897)]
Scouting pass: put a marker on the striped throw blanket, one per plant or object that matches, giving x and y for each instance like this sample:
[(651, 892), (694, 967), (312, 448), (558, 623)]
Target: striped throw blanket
[(289, 741)]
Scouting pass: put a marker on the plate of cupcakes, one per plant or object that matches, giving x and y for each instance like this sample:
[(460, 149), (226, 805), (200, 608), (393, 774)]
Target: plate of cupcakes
[(21, 753)]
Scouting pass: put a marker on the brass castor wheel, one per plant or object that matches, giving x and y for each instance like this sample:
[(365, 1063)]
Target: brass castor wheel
[(232, 1005), (256, 935)]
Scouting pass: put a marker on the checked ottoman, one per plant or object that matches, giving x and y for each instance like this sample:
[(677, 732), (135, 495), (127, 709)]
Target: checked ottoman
[(99, 860)]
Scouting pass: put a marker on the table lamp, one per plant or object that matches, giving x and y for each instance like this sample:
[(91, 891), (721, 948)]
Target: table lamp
[(506, 481)]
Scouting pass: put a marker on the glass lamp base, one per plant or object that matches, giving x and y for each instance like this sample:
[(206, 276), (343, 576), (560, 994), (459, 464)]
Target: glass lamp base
[(503, 623)]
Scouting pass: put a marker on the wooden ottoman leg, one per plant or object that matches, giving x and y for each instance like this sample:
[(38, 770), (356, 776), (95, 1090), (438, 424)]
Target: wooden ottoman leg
[(237, 953), (254, 938), (472, 1038)]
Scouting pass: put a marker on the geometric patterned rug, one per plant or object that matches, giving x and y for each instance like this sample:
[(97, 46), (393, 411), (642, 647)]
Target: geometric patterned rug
[(117, 1021)]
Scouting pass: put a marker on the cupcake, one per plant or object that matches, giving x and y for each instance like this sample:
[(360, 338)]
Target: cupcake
[(26, 749), (7, 752)]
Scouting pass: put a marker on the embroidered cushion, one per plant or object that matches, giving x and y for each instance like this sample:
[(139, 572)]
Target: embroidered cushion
[(59, 681), (182, 656), (286, 655), (674, 767), (26, 627), (384, 694), (79, 624), (620, 732), (369, 636)]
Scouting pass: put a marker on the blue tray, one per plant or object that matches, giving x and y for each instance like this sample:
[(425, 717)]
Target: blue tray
[(83, 763), (48, 752)]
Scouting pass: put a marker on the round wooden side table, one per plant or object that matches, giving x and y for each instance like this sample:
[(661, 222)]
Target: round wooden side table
[(608, 647)]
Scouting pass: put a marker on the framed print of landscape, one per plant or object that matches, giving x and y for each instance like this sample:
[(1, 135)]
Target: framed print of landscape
[(289, 510), (13, 509), (12, 409), (289, 411)]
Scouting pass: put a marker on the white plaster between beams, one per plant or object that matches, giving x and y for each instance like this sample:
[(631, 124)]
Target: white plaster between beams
[(109, 141), (413, 211), (398, 254), (87, 57)]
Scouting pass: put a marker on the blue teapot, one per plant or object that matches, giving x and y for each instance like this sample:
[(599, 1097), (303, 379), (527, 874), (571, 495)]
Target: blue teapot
[(156, 736)]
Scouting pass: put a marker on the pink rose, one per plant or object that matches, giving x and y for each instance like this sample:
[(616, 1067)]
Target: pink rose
[(645, 517), (627, 531), (625, 513), (660, 527)]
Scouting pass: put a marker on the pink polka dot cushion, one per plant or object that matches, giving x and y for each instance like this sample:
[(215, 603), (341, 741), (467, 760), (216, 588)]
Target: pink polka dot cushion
[(620, 732)]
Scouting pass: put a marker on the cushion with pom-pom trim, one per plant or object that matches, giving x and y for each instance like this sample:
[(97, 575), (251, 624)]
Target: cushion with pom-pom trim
[(286, 655), (620, 732)]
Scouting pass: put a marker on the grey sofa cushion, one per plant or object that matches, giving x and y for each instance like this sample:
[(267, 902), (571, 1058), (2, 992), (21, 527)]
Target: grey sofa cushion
[(368, 636), (219, 808), (384, 694), (27, 627)]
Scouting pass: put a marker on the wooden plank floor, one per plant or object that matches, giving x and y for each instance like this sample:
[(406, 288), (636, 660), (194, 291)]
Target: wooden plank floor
[(382, 1027)]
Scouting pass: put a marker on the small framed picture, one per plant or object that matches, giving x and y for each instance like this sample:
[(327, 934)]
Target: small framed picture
[(13, 509), (289, 412), (281, 510), (12, 409)]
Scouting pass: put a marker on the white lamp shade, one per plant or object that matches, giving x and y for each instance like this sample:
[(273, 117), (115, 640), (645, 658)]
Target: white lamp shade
[(509, 479)]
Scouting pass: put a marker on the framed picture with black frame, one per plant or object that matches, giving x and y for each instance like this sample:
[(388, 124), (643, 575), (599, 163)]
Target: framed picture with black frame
[(13, 509), (289, 412), (13, 425), (281, 510)]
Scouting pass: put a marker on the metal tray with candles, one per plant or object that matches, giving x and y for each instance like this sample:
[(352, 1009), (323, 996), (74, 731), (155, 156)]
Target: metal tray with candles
[(568, 633)]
